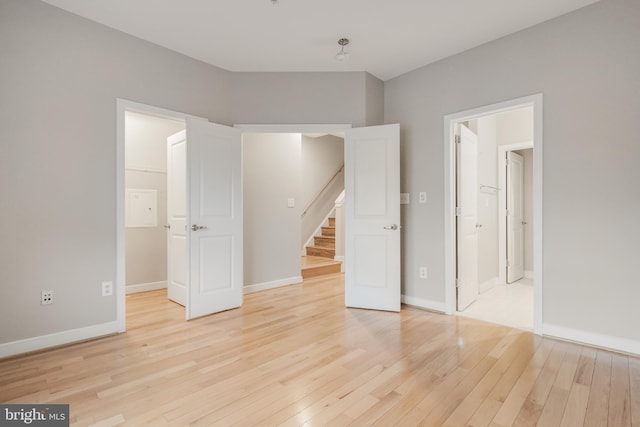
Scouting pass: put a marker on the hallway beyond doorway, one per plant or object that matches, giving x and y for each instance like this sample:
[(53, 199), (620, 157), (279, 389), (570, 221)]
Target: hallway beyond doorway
[(510, 305)]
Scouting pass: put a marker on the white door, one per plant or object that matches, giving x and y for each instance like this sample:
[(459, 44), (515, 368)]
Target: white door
[(214, 218), (515, 217), (177, 278), (467, 217), (372, 217)]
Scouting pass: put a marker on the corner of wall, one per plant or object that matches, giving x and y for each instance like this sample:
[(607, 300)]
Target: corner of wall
[(374, 100)]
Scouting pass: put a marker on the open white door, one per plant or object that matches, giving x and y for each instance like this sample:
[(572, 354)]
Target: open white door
[(467, 217), (214, 218), (177, 278), (515, 217), (372, 217)]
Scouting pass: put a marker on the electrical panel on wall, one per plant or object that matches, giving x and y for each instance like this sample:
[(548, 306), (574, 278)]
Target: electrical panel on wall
[(141, 208)]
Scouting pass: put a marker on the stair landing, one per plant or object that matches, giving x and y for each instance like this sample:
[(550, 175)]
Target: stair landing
[(313, 266)]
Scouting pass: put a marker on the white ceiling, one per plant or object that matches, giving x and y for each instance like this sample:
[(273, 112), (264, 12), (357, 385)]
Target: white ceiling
[(388, 38)]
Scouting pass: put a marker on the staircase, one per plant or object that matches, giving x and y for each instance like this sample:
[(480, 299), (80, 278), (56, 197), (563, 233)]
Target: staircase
[(320, 257)]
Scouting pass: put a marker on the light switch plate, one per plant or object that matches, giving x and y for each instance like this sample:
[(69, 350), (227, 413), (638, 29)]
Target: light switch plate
[(404, 198)]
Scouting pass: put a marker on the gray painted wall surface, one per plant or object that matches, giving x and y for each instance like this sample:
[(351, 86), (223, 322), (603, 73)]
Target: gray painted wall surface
[(271, 175), (61, 75), (374, 93), (586, 64), (301, 98)]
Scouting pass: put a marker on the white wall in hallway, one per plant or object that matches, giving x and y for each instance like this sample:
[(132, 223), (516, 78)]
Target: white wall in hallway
[(271, 176)]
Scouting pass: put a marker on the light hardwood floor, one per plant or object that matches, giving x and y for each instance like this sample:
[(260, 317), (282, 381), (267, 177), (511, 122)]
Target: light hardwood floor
[(295, 356)]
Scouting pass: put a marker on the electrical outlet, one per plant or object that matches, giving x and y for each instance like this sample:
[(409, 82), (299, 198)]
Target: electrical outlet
[(404, 198), (422, 197), (107, 289), (47, 298), (423, 272)]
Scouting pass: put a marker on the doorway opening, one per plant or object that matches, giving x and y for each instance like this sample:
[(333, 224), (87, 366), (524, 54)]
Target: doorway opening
[(493, 198), (142, 260)]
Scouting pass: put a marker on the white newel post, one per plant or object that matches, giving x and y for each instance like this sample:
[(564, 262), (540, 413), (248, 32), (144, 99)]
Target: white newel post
[(340, 229)]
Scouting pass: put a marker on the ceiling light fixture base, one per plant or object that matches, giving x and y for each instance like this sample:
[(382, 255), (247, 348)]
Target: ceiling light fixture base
[(342, 55)]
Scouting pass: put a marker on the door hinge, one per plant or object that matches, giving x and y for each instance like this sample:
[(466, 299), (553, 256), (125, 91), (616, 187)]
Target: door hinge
[(458, 211), (457, 139), (508, 263), (458, 283)]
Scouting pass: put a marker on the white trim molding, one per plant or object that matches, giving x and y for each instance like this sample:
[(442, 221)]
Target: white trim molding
[(57, 339), (436, 306), (248, 289), (145, 287), (608, 342), (293, 128)]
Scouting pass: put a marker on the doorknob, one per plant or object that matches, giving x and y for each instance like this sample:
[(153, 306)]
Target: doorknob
[(196, 227), (478, 225), (391, 227), (524, 222), (168, 226)]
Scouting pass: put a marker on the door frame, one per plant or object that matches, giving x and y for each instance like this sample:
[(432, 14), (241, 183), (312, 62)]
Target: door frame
[(450, 120), (502, 205), (123, 106)]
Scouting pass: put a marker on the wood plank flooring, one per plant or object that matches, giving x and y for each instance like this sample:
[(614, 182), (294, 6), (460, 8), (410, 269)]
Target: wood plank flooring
[(295, 356)]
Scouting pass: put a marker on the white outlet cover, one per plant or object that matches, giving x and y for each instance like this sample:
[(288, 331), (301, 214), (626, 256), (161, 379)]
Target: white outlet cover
[(423, 197), (291, 202), (107, 289), (404, 198)]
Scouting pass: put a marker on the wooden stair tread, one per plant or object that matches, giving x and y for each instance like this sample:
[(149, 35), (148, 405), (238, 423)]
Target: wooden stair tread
[(321, 251), (314, 266), (311, 261)]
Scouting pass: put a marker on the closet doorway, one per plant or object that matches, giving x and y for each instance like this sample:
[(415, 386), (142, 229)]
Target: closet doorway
[(492, 218)]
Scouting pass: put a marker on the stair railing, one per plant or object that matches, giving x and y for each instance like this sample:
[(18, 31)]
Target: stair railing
[(321, 192)]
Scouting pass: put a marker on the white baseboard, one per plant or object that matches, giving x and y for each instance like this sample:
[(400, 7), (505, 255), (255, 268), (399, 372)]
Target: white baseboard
[(597, 340), (270, 285), (57, 339), (488, 284), (144, 287), (423, 303), (528, 274)]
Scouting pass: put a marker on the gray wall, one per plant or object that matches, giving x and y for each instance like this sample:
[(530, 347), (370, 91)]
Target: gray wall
[(586, 64), (307, 98), (61, 75), (271, 175)]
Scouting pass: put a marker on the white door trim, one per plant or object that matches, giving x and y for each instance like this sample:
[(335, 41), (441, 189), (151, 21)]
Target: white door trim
[(449, 197), (293, 128), (122, 106)]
